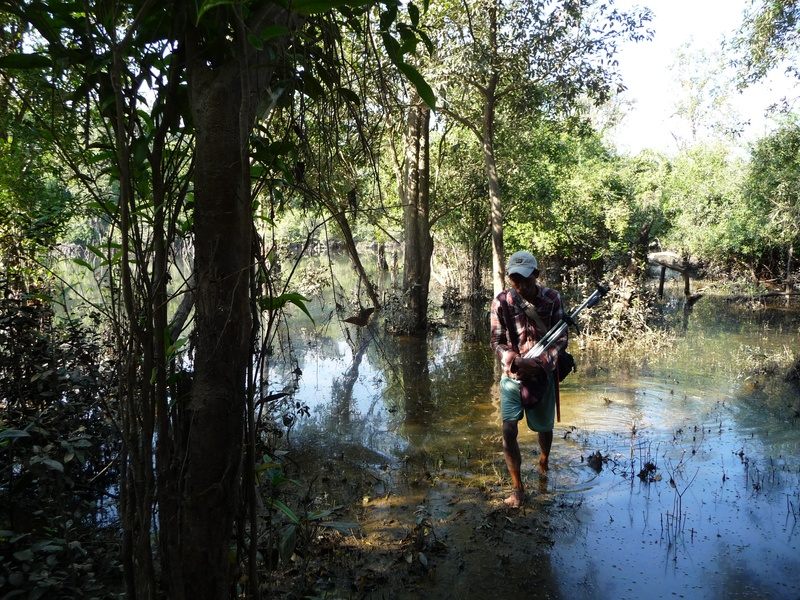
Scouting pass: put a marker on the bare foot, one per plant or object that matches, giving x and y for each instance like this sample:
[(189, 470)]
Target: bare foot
[(515, 499), (544, 464)]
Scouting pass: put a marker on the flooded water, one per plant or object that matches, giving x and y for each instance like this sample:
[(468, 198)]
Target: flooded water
[(676, 475)]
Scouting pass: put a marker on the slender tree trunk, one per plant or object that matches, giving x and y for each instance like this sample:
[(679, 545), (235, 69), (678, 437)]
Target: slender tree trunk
[(167, 472), (475, 285), (135, 397), (418, 240), (350, 245), (490, 163), (382, 264), (216, 412)]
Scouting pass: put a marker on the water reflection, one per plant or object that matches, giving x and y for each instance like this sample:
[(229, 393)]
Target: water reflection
[(717, 515)]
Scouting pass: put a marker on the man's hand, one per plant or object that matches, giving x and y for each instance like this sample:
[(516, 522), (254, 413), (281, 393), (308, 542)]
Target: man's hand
[(528, 368), (509, 358), (547, 360)]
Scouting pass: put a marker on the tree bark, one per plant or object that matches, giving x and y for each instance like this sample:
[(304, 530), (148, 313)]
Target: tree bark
[(350, 244), (490, 163), (216, 411), (416, 209)]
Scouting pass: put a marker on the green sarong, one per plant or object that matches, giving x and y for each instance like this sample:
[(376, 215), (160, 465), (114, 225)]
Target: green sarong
[(541, 417)]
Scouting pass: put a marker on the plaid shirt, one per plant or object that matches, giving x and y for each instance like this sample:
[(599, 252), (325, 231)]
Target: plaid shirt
[(548, 307)]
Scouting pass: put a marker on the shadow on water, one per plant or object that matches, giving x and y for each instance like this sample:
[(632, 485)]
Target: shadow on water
[(673, 475)]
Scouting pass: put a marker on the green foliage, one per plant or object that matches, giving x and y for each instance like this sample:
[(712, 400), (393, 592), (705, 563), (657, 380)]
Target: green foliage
[(704, 206), (769, 36), (291, 530), (57, 451), (573, 198), (459, 188), (772, 186), (34, 206)]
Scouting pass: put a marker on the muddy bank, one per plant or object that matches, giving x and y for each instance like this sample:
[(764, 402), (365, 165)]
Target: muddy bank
[(423, 528)]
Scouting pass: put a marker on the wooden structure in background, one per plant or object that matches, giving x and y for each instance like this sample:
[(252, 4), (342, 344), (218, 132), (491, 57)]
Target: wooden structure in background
[(685, 265)]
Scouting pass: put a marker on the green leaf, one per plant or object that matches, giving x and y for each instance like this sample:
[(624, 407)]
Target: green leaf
[(267, 33), (425, 40), (140, 150), (392, 48), (24, 555), (288, 543), (96, 251), (24, 61), (318, 516), (172, 349), (422, 87), (311, 86), (348, 95), (209, 4), (53, 464), (83, 263), (413, 13), (279, 302), (41, 375), (12, 434), (266, 465), (147, 118), (410, 40), (388, 17), (275, 503)]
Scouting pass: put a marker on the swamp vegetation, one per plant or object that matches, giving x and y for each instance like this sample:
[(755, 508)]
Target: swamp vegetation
[(246, 253)]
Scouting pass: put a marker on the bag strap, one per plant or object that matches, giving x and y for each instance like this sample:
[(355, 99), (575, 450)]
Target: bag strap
[(530, 311)]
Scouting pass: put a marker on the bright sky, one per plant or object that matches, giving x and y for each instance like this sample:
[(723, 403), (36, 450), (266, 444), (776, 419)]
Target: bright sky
[(652, 85)]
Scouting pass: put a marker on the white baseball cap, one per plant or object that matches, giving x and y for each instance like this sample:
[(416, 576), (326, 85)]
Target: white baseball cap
[(522, 262)]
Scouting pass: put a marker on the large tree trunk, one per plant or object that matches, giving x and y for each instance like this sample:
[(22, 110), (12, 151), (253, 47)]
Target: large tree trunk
[(216, 411), (416, 200)]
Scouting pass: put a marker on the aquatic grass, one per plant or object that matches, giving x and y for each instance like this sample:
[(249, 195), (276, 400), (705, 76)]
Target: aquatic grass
[(676, 520), (793, 506), (647, 459)]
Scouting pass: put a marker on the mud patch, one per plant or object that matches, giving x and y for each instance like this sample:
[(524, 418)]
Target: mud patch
[(421, 533)]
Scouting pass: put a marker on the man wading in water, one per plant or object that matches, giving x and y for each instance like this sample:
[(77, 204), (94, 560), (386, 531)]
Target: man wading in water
[(520, 317)]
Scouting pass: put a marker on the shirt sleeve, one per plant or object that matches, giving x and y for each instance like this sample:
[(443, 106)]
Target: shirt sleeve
[(499, 336)]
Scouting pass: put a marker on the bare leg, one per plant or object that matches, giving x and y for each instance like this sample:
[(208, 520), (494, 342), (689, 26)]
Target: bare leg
[(513, 462), (545, 442)]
